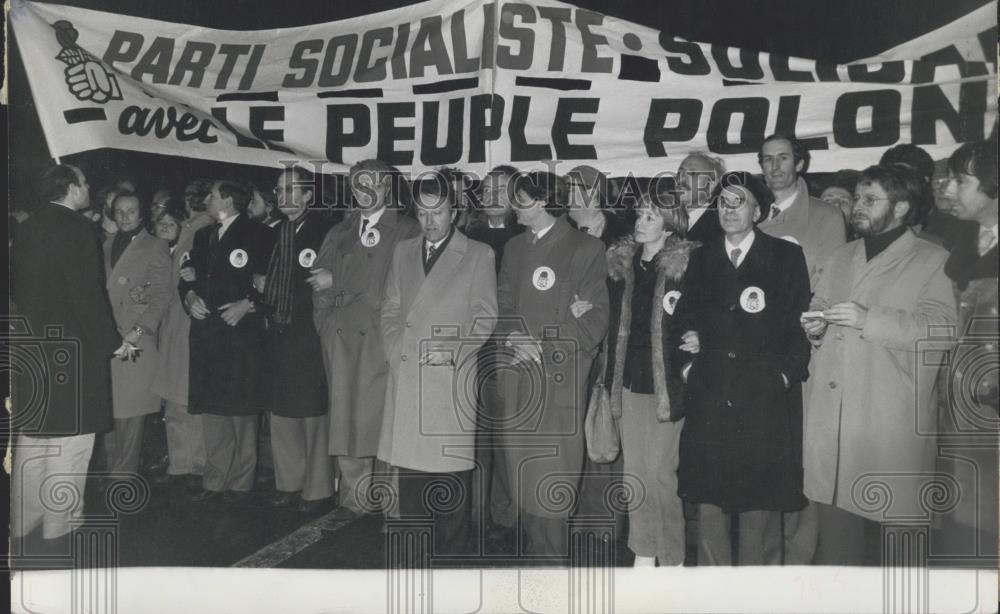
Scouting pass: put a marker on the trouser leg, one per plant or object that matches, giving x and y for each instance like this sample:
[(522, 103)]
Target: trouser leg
[(288, 451), (318, 479), (841, 536), (185, 440), (126, 447), (355, 476), (220, 446), (714, 545), (47, 472), (241, 476), (800, 532), (757, 536)]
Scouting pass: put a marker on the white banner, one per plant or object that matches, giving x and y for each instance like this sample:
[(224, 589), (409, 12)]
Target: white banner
[(473, 83)]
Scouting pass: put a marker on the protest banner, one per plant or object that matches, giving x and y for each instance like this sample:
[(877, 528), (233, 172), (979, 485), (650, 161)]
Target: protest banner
[(477, 83)]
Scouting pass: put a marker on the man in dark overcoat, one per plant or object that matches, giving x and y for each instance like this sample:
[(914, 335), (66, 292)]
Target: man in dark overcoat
[(741, 446), (296, 391), (226, 339), (63, 321)]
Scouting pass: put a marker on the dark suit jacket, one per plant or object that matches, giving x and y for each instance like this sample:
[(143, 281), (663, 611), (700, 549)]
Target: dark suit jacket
[(226, 361), (59, 288), (707, 228), (741, 446)]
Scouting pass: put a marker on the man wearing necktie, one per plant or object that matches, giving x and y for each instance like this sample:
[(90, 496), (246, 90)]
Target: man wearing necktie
[(348, 281), (440, 306), (795, 215), (741, 444), (296, 392), (226, 339), (969, 413)]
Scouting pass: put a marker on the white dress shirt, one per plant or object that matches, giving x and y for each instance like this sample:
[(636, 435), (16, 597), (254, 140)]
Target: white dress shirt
[(744, 247)]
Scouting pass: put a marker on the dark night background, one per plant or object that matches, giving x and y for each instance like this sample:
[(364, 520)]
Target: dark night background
[(836, 30)]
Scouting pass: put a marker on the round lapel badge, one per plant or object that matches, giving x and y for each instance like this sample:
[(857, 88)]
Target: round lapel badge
[(307, 257), (238, 258), (790, 239), (752, 300), (371, 238), (122, 280), (670, 301), (543, 278)]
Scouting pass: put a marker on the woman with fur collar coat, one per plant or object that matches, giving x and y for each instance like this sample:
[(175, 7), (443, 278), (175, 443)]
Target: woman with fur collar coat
[(644, 379)]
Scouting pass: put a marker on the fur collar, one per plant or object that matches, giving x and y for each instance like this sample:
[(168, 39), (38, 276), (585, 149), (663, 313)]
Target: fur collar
[(671, 261)]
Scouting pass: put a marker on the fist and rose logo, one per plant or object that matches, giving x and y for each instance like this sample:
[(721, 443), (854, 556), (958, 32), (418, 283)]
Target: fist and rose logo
[(86, 78)]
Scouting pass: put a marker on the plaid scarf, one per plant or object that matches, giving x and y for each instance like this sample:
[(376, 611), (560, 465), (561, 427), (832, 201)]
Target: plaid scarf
[(278, 289)]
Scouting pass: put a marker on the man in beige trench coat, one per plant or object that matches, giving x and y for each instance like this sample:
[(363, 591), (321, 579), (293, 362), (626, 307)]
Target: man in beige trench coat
[(440, 307), (870, 408)]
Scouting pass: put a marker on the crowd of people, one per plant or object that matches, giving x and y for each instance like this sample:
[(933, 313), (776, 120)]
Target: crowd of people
[(765, 353)]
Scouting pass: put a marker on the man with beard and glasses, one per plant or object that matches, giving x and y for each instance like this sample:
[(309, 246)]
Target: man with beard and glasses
[(876, 310)]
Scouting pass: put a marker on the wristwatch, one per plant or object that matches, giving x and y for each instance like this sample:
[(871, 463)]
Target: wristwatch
[(139, 332)]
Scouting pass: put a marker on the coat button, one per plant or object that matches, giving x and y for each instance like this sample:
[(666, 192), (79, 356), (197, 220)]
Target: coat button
[(409, 324), (833, 384), (729, 403), (732, 308), (362, 333), (339, 331), (732, 354), (403, 357)]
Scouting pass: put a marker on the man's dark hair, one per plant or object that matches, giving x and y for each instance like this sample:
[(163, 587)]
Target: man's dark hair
[(504, 170), (542, 186), (54, 183), (911, 155), (978, 159), (144, 206), (900, 183), (174, 207), (845, 179), (195, 193), (237, 191), (440, 185), (303, 177), (799, 151)]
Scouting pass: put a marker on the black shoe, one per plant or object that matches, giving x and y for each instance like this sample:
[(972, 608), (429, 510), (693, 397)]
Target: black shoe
[(236, 496), (284, 499), (205, 494), (313, 507), (159, 465)]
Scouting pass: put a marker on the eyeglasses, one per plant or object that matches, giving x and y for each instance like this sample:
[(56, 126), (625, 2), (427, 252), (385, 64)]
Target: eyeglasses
[(867, 201)]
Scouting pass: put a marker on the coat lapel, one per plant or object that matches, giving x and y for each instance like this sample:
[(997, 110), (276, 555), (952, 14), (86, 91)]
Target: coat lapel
[(864, 268), (444, 268), (135, 246)]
